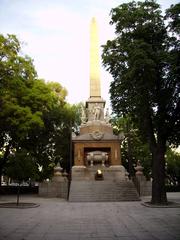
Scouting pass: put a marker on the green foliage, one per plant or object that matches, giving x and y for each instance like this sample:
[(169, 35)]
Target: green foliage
[(21, 167), (17, 76), (173, 15), (144, 60), (173, 167), (77, 116), (133, 147), (51, 144), (34, 114), (57, 91)]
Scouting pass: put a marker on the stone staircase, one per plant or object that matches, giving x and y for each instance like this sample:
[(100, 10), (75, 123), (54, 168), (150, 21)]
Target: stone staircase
[(102, 191)]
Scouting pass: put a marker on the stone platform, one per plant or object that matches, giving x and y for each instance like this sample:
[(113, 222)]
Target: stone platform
[(116, 173)]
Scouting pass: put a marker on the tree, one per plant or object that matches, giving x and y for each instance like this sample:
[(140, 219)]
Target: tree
[(51, 144), (144, 62), (21, 167), (17, 76), (31, 109), (172, 14)]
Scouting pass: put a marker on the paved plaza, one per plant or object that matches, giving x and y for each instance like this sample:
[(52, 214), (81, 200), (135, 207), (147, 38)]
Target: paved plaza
[(56, 219)]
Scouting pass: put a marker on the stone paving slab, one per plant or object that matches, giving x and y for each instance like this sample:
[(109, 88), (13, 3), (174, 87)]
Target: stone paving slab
[(56, 219)]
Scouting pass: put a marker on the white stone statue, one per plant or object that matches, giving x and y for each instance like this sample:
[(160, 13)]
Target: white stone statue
[(107, 116), (73, 134), (97, 112)]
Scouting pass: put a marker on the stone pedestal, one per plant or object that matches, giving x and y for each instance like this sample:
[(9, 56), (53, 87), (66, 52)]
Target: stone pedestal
[(54, 189), (58, 187), (145, 187)]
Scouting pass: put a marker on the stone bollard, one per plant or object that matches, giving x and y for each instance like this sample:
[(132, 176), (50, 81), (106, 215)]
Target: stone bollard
[(58, 176), (143, 185), (139, 172)]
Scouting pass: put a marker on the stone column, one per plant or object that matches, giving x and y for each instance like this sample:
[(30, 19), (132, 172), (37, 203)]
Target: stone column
[(145, 186), (139, 172)]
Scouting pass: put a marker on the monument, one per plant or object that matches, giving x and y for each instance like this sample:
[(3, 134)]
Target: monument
[(96, 147), (97, 174)]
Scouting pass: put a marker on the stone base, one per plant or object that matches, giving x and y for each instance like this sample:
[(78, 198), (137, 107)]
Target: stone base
[(145, 188), (116, 172), (58, 187), (96, 125), (59, 178)]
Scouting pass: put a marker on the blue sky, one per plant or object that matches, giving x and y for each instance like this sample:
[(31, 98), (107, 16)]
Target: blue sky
[(56, 35)]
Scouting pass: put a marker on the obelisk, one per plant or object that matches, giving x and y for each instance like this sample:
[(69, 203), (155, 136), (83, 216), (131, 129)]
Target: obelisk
[(95, 102), (95, 90), (95, 147)]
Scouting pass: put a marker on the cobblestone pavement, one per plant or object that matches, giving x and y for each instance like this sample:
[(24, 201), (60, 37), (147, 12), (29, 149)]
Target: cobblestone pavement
[(56, 219)]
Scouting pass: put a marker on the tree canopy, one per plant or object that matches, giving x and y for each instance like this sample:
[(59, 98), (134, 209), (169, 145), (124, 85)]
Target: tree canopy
[(34, 115), (144, 60)]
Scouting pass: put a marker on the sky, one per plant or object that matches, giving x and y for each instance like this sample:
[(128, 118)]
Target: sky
[(55, 34)]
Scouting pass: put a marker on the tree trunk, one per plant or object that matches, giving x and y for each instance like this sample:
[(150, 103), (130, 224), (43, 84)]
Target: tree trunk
[(158, 174), (18, 194)]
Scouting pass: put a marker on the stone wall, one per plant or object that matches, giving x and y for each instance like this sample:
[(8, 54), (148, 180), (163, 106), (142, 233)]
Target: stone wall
[(54, 189)]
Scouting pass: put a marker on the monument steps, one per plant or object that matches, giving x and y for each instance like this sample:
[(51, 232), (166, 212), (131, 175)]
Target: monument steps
[(102, 191)]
